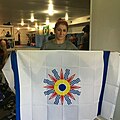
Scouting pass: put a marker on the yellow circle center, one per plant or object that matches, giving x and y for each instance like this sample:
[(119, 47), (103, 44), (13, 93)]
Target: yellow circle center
[(64, 83)]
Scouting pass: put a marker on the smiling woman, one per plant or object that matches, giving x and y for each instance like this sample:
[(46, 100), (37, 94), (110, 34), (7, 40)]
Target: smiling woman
[(60, 42)]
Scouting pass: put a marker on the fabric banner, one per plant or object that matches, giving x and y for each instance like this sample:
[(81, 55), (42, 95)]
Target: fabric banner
[(63, 85), (112, 86)]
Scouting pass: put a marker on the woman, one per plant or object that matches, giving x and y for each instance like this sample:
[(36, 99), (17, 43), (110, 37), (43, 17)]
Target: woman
[(60, 42)]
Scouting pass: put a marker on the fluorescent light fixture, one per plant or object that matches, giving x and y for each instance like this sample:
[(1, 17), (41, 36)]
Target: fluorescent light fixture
[(66, 16), (28, 27), (50, 9), (32, 17), (22, 22), (54, 11), (36, 25), (47, 21)]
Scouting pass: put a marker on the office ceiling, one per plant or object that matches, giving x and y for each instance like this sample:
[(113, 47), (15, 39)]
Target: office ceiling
[(14, 10)]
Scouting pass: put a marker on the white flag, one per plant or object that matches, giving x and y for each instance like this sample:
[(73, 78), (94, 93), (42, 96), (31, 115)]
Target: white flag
[(112, 86), (59, 85)]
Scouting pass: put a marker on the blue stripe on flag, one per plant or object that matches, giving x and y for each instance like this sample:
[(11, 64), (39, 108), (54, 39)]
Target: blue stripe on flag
[(106, 60), (16, 80)]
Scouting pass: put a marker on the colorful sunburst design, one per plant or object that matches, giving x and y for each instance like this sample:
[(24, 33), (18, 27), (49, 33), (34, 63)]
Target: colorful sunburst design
[(62, 87)]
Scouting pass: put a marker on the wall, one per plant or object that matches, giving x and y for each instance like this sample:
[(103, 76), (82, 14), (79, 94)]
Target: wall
[(105, 25), (4, 29), (105, 31), (23, 32), (77, 28), (23, 36), (72, 29)]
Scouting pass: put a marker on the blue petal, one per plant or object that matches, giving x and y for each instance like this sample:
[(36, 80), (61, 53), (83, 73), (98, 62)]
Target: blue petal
[(75, 92), (75, 81), (48, 92), (67, 72), (57, 100), (56, 74), (68, 100), (48, 82)]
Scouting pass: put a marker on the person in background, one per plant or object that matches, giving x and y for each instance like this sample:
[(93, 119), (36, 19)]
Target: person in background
[(18, 37), (28, 43), (8, 34), (9, 40), (60, 42), (32, 40), (73, 39), (52, 36), (3, 53), (84, 44)]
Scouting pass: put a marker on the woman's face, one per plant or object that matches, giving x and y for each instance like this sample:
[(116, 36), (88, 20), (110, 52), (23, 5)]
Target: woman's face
[(61, 32)]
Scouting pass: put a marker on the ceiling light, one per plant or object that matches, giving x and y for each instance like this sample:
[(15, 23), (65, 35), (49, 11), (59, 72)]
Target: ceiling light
[(32, 17), (50, 9), (66, 16), (47, 21), (22, 22), (36, 25), (18, 28), (28, 27), (54, 11)]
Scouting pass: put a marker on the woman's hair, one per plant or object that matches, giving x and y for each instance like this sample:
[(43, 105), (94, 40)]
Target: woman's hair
[(61, 21)]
